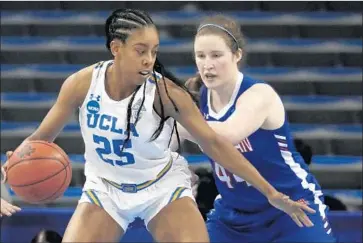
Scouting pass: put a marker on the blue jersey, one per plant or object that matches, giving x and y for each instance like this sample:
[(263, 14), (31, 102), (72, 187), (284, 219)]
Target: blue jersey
[(274, 155)]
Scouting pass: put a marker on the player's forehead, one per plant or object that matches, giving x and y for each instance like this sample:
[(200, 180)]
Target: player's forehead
[(210, 43), (144, 37)]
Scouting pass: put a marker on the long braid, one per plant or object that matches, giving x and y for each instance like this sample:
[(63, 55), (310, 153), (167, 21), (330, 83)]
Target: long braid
[(119, 25), (141, 105), (162, 115), (159, 67), (128, 119)]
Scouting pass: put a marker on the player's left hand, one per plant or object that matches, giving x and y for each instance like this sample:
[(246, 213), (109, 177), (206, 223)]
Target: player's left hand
[(7, 208), (292, 208)]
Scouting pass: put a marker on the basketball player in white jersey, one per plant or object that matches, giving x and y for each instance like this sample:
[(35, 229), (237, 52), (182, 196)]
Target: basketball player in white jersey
[(127, 111)]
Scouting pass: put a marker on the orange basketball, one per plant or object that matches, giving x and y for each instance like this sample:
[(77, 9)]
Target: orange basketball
[(39, 172)]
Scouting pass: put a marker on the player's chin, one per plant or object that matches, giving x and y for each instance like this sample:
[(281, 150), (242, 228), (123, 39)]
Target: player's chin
[(140, 79), (211, 83)]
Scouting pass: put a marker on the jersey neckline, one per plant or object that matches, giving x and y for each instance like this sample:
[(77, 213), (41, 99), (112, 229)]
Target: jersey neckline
[(223, 111), (104, 92)]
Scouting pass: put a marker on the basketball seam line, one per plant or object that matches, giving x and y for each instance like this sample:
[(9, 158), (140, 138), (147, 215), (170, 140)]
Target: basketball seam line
[(64, 181), (61, 152), (46, 178), (41, 158), (55, 147), (65, 156)]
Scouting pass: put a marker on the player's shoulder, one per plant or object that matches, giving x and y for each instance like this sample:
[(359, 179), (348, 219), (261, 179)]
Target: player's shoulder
[(83, 77), (171, 94), (165, 85), (79, 82), (257, 86), (85, 74), (261, 88), (172, 89), (255, 91)]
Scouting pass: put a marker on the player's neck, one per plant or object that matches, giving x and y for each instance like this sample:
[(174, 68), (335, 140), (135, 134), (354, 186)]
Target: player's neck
[(221, 96), (116, 86)]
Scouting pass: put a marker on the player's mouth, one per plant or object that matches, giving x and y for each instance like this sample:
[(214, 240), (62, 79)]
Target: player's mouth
[(209, 76), (145, 73)]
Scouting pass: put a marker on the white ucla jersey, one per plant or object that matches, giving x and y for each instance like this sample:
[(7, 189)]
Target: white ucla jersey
[(103, 126)]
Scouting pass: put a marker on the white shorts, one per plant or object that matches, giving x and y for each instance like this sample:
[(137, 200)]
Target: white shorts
[(124, 207)]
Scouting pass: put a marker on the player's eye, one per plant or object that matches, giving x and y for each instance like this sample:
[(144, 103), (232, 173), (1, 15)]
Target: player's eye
[(140, 52)]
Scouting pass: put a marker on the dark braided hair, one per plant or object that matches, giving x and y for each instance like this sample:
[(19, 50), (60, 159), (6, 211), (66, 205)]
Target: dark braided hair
[(119, 26)]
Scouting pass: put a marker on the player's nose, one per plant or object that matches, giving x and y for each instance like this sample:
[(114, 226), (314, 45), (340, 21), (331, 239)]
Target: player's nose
[(148, 61), (208, 63)]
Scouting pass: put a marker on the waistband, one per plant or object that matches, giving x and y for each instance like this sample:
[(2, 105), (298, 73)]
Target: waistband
[(133, 188)]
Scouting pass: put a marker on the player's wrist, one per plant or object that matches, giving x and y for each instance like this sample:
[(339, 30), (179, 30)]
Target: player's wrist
[(271, 192)]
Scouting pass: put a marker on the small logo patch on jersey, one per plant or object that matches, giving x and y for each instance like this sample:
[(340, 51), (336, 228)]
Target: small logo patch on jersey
[(151, 78), (135, 108), (93, 106)]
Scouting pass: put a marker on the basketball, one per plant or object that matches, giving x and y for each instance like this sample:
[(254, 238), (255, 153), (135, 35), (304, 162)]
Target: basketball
[(39, 172)]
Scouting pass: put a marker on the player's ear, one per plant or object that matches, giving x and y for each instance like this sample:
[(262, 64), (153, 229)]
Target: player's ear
[(238, 55), (115, 47)]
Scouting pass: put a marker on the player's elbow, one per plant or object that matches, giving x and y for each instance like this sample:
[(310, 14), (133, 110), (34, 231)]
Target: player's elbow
[(224, 130), (215, 142), (230, 136)]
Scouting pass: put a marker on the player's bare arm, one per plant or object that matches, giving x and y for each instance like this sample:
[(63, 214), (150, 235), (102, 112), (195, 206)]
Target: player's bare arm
[(213, 145), (227, 156), (71, 96), (258, 107)]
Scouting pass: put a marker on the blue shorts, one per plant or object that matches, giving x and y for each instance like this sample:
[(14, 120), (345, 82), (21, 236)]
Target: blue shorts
[(276, 227)]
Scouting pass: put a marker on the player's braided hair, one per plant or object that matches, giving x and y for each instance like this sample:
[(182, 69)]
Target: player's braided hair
[(119, 25)]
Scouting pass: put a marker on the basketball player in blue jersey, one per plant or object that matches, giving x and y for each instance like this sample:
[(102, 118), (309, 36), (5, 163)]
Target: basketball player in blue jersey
[(127, 108), (251, 115)]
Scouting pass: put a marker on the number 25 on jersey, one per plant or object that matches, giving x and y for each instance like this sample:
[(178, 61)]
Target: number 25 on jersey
[(113, 148)]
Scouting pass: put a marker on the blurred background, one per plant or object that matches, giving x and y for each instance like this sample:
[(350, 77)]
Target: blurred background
[(310, 52)]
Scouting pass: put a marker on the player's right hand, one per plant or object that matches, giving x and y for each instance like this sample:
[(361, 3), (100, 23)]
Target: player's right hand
[(4, 168)]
